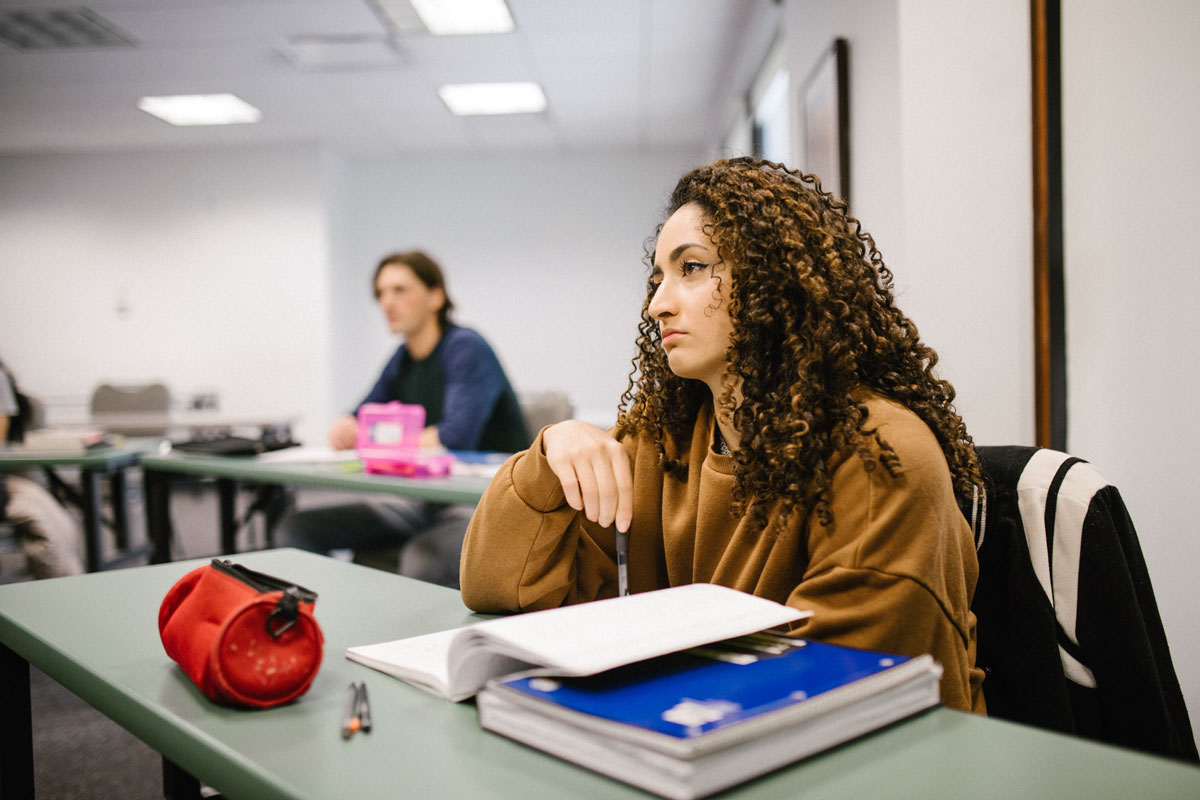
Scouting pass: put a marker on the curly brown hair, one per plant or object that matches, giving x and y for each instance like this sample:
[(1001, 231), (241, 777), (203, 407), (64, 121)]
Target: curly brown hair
[(814, 323)]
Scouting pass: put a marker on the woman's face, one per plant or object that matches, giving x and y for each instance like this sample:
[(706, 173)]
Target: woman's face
[(691, 301)]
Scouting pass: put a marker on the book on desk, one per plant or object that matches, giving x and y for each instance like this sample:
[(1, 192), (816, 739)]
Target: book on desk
[(677, 691), (693, 723)]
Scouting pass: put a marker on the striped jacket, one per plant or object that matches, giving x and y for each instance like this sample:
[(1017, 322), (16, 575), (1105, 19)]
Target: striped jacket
[(1069, 632)]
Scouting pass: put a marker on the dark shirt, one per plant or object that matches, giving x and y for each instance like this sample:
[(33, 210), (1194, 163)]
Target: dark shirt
[(463, 389)]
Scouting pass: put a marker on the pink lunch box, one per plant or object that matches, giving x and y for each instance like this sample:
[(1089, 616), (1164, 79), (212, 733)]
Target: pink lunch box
[(389, 436)]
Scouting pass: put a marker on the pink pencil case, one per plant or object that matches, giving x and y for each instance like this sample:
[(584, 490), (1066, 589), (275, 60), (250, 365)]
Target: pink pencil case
[(389, 441)]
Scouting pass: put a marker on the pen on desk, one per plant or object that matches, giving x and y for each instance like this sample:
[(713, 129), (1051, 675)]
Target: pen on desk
[(364, 709), (350, 718), (622, 563)]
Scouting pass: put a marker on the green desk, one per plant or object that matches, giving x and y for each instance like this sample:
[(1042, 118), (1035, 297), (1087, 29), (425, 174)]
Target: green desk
[(232, 471), (92, 465), (422, 746)]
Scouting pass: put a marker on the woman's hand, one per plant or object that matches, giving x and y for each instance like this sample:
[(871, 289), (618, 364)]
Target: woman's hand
[(594, 470)]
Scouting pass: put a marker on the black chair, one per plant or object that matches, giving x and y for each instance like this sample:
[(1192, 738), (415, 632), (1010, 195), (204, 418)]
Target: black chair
[(1069, 633)]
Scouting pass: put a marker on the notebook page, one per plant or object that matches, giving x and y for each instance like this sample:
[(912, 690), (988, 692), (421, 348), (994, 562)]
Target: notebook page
[(592, 637)]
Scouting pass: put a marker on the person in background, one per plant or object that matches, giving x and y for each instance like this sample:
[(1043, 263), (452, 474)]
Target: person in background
[(469, 405), (50, 536), (783, 433)]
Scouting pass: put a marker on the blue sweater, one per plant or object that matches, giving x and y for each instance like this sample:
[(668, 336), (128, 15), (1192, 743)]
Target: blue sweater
[(463, 389)]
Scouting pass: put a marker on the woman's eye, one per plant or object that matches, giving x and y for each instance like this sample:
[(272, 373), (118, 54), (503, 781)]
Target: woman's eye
[(692, 267)]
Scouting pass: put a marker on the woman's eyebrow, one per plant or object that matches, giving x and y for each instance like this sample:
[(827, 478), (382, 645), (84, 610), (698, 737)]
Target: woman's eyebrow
[(676, 253)]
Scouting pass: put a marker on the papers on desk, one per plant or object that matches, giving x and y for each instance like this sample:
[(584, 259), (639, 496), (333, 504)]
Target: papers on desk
[(477, 464), (466, 463), (309, 454), (67, 440), (582, 639)]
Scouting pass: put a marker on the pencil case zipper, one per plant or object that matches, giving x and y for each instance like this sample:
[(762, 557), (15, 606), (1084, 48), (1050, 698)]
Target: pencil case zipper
[(262, 582)]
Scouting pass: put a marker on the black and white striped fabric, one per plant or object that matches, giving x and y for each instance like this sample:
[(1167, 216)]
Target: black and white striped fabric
[(1068, 629), (1054, 493)]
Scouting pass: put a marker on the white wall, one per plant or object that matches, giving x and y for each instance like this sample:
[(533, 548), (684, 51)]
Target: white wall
[(940, 154), (248, 272), (1132, 204), (543, 255), (940, 177), (219, 259)]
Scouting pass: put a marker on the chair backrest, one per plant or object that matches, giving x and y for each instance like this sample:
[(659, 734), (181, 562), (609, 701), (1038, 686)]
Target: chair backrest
[(1069, 632), (544, 408), (143, 398)]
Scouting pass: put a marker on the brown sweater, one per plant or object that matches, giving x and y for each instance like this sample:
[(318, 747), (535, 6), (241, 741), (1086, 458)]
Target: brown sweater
[(894, 571)]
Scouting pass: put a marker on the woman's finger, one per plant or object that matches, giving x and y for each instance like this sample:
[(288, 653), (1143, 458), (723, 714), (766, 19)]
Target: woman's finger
[(606, 488), (623, 475)]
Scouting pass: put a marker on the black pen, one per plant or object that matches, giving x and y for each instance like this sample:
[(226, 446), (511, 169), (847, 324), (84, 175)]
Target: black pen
[(364, 709)]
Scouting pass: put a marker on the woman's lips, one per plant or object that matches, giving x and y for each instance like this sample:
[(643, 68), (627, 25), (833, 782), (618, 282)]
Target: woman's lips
[(670, 335)]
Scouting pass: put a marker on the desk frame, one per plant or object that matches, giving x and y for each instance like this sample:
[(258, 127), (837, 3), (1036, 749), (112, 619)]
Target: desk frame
[(92, 466), (235, 472)]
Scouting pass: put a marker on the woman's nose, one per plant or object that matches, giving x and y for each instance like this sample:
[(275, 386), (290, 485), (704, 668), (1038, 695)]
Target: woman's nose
[(661, 303)]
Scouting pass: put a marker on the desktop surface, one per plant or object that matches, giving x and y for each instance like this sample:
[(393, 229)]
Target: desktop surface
[(97, 634)]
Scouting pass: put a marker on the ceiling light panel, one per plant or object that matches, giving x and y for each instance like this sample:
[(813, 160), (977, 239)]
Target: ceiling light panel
[(201, 109), (461, 17), (471, 99)]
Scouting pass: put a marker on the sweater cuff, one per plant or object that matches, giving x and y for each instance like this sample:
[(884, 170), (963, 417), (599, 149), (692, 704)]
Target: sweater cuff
[(534, 482)]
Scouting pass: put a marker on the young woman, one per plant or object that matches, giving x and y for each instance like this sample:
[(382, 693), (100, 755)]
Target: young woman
[(783, 434)]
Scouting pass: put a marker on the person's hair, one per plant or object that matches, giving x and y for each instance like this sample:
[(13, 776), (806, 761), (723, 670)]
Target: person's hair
[(814, 323), (427, 271)]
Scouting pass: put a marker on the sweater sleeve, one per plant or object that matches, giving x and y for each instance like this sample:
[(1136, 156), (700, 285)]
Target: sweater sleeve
[(474, 383), (896, 570), (526, 549)]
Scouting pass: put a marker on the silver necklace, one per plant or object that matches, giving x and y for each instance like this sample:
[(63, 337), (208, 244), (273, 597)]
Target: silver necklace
[(721, 445)]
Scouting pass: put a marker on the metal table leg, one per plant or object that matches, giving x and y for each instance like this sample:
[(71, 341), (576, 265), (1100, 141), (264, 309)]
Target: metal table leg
[(16, 727), (227, 497), (118, 491), (92, 517), (157, 487)]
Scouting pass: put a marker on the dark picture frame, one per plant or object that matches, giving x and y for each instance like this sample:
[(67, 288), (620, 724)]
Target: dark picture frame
[(825, 105)]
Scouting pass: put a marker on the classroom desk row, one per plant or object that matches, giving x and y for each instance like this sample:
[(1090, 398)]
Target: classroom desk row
[(160, 471), (423, 746)]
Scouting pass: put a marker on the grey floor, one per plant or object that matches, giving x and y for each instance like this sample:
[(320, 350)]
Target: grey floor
[(79, 754)]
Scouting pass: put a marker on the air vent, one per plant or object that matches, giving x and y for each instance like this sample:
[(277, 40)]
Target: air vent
[(47, 29)]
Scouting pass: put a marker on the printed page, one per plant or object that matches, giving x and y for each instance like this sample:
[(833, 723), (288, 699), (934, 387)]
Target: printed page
[(592, 637)]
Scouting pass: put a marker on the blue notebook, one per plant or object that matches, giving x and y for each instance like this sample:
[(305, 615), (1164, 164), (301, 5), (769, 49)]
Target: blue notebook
[(694, 722)]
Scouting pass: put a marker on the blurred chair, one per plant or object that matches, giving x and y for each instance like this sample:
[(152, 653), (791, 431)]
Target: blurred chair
[(1069, 634), (146, 401), (544, 408), (142, 398)]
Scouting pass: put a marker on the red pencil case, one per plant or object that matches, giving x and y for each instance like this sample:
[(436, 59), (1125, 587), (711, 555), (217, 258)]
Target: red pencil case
[(244, 638)]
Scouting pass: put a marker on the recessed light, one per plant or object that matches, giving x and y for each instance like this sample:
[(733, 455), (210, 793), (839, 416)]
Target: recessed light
[(201, 109), (467, 99), (341, 52), (459, 17)]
